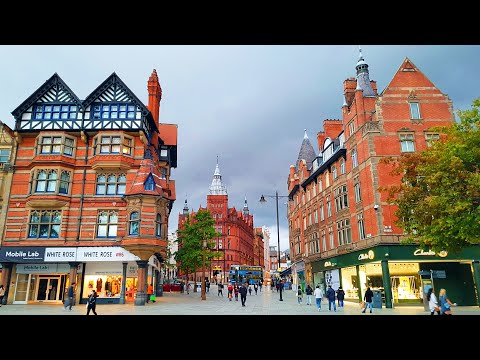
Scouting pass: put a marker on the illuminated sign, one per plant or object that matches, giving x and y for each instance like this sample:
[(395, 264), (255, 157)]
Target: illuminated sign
[(420, 252), (328, 263), (368, 256)]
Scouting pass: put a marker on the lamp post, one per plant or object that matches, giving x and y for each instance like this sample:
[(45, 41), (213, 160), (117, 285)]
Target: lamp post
[(262, 201), (204, 295)]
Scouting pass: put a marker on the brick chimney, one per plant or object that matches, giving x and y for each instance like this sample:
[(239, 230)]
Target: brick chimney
[(320, 140), (332, 128), (154, 96), (349, 86)]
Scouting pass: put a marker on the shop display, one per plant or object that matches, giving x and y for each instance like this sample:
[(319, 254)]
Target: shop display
[(104, 285)]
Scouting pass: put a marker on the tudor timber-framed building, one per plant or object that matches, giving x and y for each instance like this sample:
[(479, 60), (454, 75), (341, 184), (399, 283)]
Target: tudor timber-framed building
[(92, 194), (342, 230)]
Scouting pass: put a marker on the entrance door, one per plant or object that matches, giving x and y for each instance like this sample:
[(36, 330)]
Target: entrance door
[(21, 289), (48, 288)]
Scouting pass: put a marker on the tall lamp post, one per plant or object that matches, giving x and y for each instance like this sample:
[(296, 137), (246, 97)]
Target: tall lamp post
[(262, 201), (204, 295)]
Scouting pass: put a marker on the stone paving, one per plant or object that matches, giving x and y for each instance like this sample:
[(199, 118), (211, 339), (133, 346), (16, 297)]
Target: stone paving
[(264, 303)]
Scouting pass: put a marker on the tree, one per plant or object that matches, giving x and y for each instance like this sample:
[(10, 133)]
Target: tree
[(190, 239), (439, 196)]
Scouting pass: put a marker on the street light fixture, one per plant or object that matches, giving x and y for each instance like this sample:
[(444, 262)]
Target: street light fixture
[(204, 295), (263, 201)]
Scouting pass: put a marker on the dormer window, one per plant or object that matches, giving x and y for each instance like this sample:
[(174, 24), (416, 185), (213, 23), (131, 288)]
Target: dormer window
[(54, 111), (113, 111), (149, 183)]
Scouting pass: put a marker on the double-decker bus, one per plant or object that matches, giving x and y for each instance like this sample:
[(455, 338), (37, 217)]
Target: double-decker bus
[(249, 274)]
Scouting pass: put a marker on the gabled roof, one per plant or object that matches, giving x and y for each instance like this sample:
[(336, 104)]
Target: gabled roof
[(168, 133), (138, 184), (61, 94)]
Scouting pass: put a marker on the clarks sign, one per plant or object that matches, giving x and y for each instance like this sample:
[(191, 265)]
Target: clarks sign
[(368, 256), (420, 252)]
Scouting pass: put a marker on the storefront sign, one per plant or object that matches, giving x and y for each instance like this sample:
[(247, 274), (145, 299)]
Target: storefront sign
[(107, 268), (43, 268), (132, 270), (21, 254), (329, 263), (368, 256), (60, 254), (105, 253), (420, 252)]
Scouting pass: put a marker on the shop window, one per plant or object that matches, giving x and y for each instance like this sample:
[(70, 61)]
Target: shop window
[(407, 143), (48, 181), (158, 225), (107, 286), (44, 224), (134, 223), (107, 224), (111, 184)]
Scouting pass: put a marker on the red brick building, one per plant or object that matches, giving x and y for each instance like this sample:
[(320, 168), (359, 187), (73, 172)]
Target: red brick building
[(237, 242), (341, 228), (91, 194)]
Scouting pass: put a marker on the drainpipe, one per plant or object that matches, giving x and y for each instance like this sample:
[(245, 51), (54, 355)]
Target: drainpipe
[(83, 185)]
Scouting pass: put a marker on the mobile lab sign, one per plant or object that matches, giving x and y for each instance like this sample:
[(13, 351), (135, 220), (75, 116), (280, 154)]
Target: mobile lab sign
[(21, 254)]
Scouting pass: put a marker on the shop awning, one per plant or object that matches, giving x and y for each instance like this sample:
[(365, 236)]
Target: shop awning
[(286, 272)]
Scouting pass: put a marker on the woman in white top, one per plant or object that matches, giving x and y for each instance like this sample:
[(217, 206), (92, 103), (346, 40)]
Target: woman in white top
[(432, 302)]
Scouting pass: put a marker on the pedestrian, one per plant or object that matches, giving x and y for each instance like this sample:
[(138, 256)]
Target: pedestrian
[(340, 296), (318, 297), (277, 285), (235, 290), (445, 303), (309, 292), (331, 298), (69, 299), (249, 290), (243, 293), (432, 302), (299, 295), (230, 291), (2, 294), (182, 286), (189, 287), (208, 286), (255, 287), (272, 285), (92, 302), (150, 293), (260, 286), (368, 300), (220, 289)]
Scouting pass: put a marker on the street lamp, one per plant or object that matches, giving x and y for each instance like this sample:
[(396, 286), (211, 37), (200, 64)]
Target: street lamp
[(262, 201), (204, 295)]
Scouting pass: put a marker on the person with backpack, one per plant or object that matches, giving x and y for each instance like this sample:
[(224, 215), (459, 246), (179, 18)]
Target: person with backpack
[(309, 292), (331, 298), (340, 296), (299, 295), (368, 300)]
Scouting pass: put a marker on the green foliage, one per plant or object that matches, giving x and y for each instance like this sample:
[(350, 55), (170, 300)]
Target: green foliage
[(190, 239), (438, 199)]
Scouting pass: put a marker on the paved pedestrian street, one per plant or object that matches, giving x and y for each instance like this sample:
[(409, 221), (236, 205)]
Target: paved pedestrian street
[(264, 303)]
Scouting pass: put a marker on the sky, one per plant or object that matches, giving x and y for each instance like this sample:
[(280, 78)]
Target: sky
[(248, 104)]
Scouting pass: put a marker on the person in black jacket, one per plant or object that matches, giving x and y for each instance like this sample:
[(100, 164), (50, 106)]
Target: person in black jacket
[(309, 292), (368, 300), (331, 298), (69, 299), (243, 293), (92, 302), (340, 296)]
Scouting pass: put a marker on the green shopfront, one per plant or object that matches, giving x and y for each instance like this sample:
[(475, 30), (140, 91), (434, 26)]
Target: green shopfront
[(401, 273)]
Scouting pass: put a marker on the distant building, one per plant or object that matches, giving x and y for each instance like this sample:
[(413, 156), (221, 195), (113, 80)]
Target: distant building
[(170, 267)]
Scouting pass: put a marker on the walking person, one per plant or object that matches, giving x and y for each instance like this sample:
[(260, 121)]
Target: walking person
[(445, 303), (340, 296), (331, 299), (149, 292), (255, 287), (2, 294), (299, 295), (189, 286), (309, 292), (230, 291), (92, 302), (432, 302), (220, 289), (368, 300), (243, 293), (318, 297), (208, 286), (260, 286), (235, 291), (249, 290), (69, 299)]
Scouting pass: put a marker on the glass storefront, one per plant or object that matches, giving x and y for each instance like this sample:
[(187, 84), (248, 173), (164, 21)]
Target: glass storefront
[(350, 283), (406, 283), (104, 285)]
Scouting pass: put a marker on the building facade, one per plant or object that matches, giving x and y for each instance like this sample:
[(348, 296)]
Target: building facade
[(92, 194), (237, 240), (266, 247), (341, 228), (258, 248)]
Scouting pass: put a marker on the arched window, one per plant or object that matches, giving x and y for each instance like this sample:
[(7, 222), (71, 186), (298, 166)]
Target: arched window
[(342, 166), (158, 225), (134, 223)]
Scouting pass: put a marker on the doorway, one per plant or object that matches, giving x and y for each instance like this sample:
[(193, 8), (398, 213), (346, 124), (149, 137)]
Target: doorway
[(48, 288)]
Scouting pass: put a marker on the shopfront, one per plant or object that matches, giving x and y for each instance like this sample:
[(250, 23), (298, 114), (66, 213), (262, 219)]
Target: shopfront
[(396, 271)]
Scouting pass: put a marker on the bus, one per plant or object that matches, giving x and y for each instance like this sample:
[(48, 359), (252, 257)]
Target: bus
[(249, 274)]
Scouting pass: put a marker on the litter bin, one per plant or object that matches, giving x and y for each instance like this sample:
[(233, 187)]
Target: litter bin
[(377, 299)]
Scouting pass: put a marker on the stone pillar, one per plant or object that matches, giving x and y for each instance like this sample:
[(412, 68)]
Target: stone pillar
[(124, 283), (476, 278), (73, 279), (359, 285), (387, 286), (6, 274), (142, 279)]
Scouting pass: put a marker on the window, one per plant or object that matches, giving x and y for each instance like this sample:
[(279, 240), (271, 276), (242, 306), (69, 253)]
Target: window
[(304, 223), (324, 241), (107, 224), (320, 185), (134, 223), (309, 219), (47, 181), (414, 111), (341, 198), (342, 166), (334, 172), (303, 199), (317, 242), (344, 232), (329, 208), (406, 143), (4, 155), (354, 158), (111, 184), (54, 111), (327, 179), (322, 213), (356, 188), (429, 138), (44, 224), (55, 145), (112, 145), (149, 183), (330, 236), (308, 194), (158, 225), (314, 190), (315, 216), (351, 127), (361, 227), (163, 173), (113, 111)]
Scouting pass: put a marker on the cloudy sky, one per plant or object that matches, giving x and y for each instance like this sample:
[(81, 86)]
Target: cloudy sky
[(246, 104)]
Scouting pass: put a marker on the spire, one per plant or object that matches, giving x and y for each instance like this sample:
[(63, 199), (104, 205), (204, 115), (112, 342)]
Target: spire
[(217, 188), (185, 207), (306, 153), (363, 78), (245, 207)]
